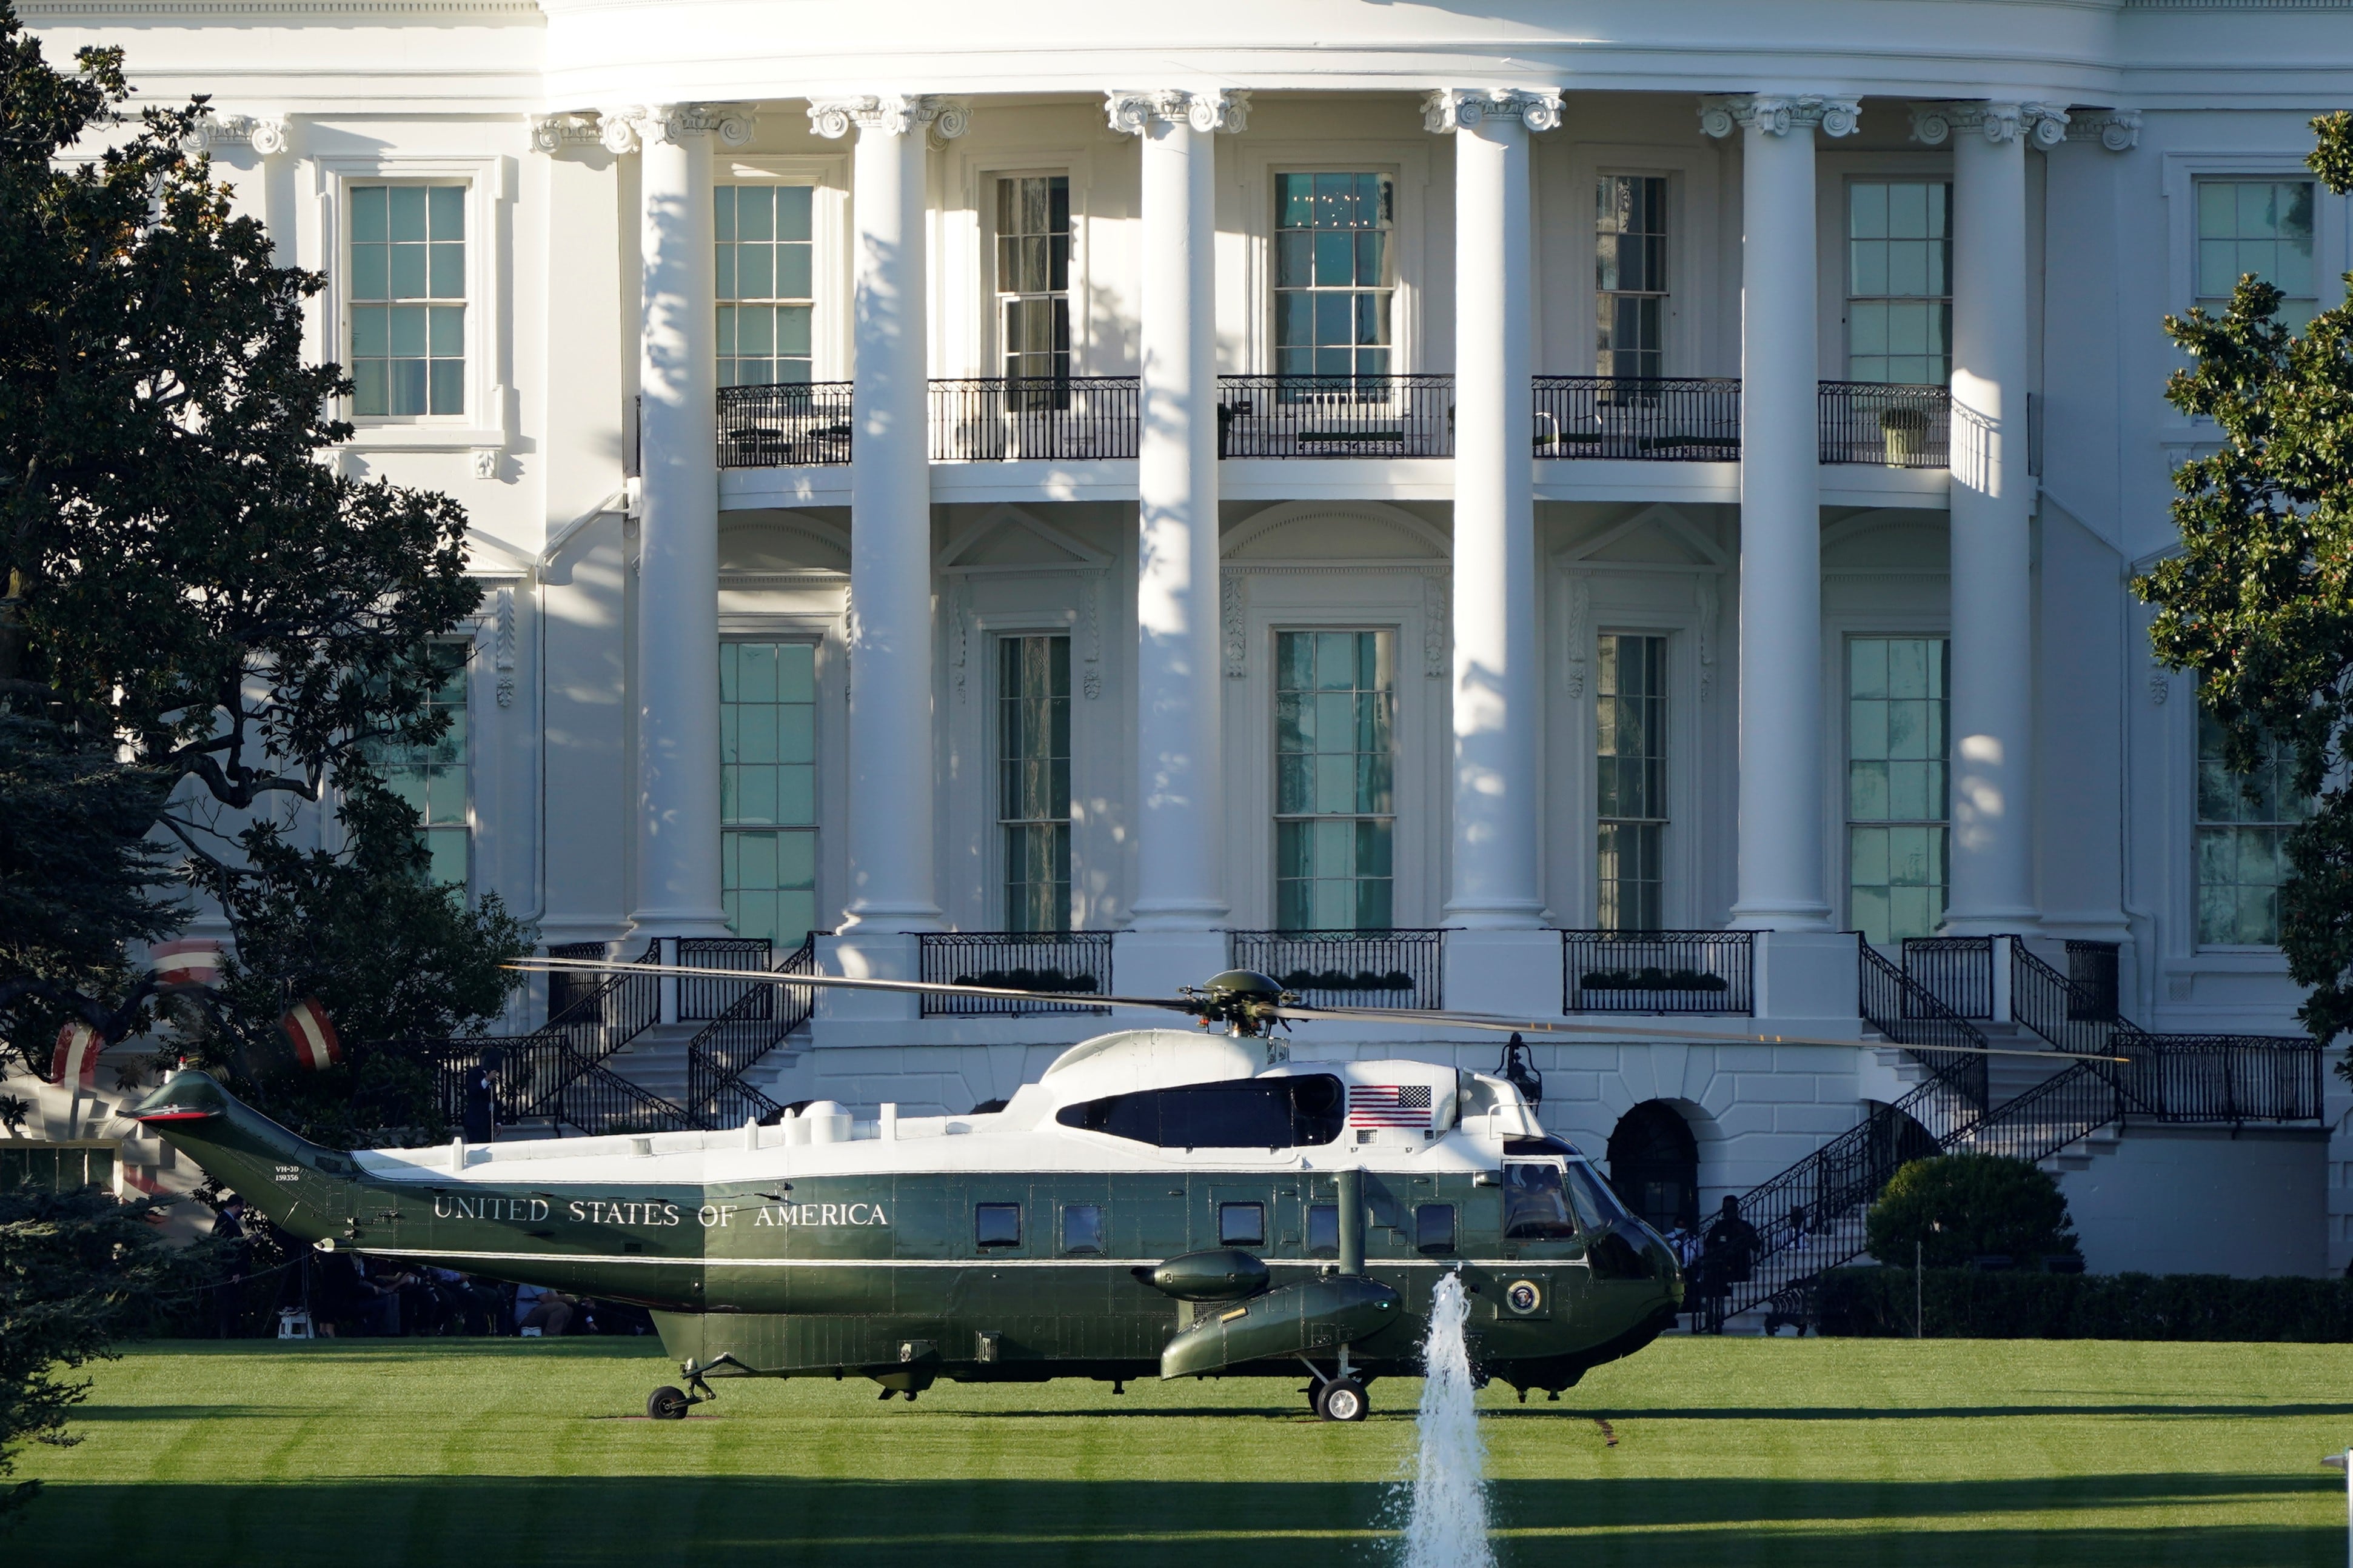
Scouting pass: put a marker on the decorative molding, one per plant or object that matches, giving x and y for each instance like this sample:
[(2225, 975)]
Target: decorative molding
[(1711, 608), (1090, 609), (502, 645), (617, 128), (1448, 109), (2118, 130), (1233, 597), (1131, 113), (1777, 114), (1579, 628), (555, 133), (1434, 627), (1997, 122), (820, 577), (267, 135), (894, 114), (959, 631), (485, 463), (2160, 686)]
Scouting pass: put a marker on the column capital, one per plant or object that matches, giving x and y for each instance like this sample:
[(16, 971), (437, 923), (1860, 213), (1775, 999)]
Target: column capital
[(1132, 114), (553, 133), (1449, 108), (2118, 130), (630, 129), (266, 134), (1779, 114), (1996, 121), (893, 114)]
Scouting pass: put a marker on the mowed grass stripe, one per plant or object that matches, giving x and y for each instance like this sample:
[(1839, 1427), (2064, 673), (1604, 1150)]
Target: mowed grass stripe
[(1730, 1452)]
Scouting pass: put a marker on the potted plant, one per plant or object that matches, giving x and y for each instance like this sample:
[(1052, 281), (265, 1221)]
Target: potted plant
[(1904, 430)]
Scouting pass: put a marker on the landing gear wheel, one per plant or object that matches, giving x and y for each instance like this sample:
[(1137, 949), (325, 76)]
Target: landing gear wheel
[(666, 1404), (1342, 1399)]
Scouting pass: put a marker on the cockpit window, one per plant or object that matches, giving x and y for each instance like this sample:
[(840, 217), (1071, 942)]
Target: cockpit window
[(1250, 1113), (1536, 1203), (1596, 1205)]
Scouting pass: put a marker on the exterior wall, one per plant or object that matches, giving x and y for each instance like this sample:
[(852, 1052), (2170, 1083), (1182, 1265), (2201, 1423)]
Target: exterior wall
[(2183, 1200)]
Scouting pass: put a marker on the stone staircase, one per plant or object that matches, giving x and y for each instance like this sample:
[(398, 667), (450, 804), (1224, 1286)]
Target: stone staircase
[(1893, 1071)]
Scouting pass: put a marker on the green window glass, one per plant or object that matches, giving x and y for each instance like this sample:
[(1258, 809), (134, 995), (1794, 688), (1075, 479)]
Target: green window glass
[(1033, 790), (409, 299), (1335, 717), (432, 779), (1631, 778), (2263, 227), (2243, 822), (1897, 793), (1630, 275), (1332, 273), (768, 789), (765, 262), (1033, 280), (1899, 306)]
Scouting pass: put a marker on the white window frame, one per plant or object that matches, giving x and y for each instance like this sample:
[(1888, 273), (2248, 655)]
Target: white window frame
[(490, 182), (990, 298), (1408, 166), (830, 242)]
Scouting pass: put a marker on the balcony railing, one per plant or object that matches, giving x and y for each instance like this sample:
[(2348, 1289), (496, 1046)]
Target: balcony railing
[(1672, 419), (1077, 963), (1665, 419), (794, 425), (1658, 972), (1886, 425), (1336, 415), (994, 419), (1400, 969)]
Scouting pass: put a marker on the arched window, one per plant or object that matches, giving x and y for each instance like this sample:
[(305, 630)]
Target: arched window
[(1654, 1165)]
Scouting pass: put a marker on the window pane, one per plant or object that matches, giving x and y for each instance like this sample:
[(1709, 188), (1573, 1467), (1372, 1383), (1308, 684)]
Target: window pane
[(1083, 1227), (2243, 822), (1897, 736), (1335, 701), (1331, 302), (1631, 781), (767, 802), (1898, 268), (1034, 780)]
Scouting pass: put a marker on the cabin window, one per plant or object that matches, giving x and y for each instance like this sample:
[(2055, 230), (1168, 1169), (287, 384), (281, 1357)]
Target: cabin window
[(1241, 1225), (1433, 1227), (1536, 1203), (1253, 1113), (1083, 1227), (1323, 1229), (997, 1225)]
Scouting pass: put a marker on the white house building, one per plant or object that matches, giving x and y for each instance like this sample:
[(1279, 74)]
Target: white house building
[(1584, 507)]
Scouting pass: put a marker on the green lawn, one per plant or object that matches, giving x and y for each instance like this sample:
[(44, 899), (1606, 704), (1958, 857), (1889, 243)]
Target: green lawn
[(1729, 1452)]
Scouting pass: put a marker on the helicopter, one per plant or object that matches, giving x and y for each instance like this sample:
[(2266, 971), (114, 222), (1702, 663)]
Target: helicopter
[(1184, 1203)]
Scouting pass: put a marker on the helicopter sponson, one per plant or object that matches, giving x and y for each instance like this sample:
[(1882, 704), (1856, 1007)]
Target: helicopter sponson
[(1160, 1202)]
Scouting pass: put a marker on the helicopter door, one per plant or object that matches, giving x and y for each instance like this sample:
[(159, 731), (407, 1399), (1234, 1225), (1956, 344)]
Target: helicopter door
[(1541, 1245)]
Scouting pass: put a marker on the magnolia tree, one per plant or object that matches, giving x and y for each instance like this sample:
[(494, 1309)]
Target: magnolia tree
[(2259, 600), (206, 628)]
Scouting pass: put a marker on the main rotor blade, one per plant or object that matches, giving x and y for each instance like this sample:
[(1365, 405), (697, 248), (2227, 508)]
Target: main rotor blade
[(1623, 1031), (917, 987)]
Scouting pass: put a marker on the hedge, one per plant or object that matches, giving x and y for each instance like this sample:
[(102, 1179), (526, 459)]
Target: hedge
[(1962, 1303)]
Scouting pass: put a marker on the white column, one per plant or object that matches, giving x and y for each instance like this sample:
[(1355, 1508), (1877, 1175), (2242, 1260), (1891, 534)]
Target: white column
[(889, 803), (1782, 807), (678, 534), (1991, 664), (1180, 837), (1495, 883)]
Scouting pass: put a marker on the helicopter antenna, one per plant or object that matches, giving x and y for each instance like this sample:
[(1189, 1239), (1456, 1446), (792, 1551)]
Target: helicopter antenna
[(1517, 1070)]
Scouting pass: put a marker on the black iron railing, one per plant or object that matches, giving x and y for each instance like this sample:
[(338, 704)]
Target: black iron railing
[(736, 1041), (1336, 415), (1668, 419), (1076, 964), (1885, 424), (988, 419), (1958, 971), (699, 999), (543, 1075), (1659, 972), (566, 987), (2045, 1000), (790, 424), (2092, 979), (1907, 1012), (1401, 969)]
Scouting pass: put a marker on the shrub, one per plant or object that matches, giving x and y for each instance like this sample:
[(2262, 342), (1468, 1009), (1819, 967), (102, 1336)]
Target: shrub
[(1956, 1208), (1963, 1303)]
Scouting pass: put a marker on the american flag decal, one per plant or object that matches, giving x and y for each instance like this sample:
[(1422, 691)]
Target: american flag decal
[(1389, 1105)]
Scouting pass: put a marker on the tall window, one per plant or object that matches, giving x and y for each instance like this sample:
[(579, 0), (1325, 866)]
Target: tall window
[(768, 789), (1896, 791), (2263, 227), (1631, 275), (1332, 273), (433, 778), (409, 299), (1335, 717), (1034, 790), (765, 262), (1630, 774), (2243, 821), (1033, 274), (1899, 270)]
